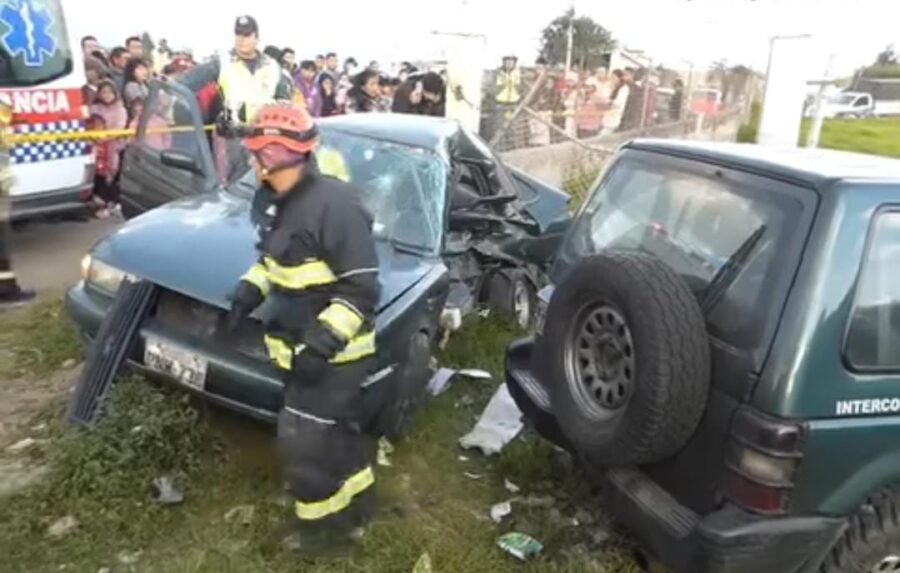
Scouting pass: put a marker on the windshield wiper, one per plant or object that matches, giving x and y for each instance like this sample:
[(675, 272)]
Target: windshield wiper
[(729, 271)]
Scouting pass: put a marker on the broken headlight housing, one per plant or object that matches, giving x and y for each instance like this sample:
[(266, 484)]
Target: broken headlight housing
[(101, 276)]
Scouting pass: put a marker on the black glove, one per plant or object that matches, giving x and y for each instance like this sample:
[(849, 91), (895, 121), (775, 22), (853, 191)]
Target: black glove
[(321, 341), (225, 126), (244, 301)]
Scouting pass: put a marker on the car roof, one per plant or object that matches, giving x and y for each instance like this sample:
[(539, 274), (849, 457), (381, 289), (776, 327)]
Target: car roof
[(815, 167), (415, 130)]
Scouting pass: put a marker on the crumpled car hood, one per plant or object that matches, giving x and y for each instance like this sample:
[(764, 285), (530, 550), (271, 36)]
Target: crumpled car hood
[(201, 246)]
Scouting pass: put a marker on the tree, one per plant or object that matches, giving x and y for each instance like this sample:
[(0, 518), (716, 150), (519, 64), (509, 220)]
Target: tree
[(591, 42), (887, 57)]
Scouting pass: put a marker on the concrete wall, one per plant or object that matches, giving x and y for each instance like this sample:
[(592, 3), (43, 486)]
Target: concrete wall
[(556, 163)]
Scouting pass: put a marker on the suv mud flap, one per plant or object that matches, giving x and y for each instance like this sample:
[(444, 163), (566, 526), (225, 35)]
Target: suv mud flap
[(110, 349)]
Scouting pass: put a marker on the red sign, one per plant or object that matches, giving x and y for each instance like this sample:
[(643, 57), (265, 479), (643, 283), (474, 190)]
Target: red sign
[(43, 105)]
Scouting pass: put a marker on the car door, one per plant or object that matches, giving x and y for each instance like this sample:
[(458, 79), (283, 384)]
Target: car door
[(170, 156)]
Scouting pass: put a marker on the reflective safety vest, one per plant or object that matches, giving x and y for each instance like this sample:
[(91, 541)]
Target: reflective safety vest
[(508, 86), (242, 88)]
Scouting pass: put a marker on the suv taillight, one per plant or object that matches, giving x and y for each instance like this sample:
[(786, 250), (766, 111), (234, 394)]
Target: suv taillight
[(763, 456)]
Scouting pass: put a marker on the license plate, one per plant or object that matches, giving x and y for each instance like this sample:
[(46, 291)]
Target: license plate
[(182, 365)]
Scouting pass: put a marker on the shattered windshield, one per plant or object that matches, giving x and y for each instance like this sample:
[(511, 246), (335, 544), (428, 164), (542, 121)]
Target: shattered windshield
[(403, 186), (34, 43)]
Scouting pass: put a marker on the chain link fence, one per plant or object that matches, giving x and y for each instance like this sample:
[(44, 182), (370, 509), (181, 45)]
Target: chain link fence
[(568, 148)]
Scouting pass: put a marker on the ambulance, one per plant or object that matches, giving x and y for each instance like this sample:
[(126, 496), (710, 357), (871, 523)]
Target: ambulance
[(41, 76)]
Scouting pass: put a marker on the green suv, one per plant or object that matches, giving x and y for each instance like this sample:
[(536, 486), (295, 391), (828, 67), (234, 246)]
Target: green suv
[(720, 346)]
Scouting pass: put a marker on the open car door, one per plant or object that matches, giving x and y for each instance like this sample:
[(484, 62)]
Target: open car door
[(170, 157)]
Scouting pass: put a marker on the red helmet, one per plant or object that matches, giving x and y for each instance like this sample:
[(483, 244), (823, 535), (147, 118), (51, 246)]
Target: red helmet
[(286, 124)]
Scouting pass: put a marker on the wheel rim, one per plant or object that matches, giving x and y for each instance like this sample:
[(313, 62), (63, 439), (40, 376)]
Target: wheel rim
[(600, 359), (888, 564), (522, 304)]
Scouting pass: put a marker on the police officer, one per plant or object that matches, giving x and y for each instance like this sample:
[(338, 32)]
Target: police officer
[(10, 293), (247, 80), (318, 275)]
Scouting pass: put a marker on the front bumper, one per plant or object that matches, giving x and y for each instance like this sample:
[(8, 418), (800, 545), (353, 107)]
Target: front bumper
[(729, 540), (234, 380), (50, 203)]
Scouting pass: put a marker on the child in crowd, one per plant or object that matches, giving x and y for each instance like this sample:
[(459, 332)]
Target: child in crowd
[(107, 113)]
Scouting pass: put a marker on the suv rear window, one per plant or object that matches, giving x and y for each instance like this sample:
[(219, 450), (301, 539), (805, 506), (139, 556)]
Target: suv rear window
[(873, 341), (695, 218)]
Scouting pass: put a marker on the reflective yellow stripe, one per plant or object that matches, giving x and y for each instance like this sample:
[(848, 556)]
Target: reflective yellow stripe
[(313, 273), (282, 354), (279, 352), (355, 485), (257, 276), (344, 321), (360, 347)]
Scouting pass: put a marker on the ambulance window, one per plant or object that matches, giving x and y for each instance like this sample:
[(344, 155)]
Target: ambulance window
[(873, 340), (34, 43)]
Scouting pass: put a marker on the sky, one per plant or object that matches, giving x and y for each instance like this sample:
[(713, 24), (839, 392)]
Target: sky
[(675, 32)]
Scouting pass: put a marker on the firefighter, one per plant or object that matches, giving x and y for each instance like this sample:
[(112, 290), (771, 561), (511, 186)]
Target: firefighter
[(247, 80), (318, 274), (10, 293)]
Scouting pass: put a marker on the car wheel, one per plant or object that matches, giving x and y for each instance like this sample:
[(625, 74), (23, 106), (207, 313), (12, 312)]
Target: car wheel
[(512, 294), (871, 543), (625, 355), (411, 385)]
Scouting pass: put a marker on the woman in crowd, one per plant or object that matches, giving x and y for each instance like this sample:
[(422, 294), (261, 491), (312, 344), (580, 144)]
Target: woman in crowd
[(612, 118), (365, 95), (329, 96), (137, 74), (107, 112)]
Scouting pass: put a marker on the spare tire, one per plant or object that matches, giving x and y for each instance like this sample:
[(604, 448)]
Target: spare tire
[(625, 355)]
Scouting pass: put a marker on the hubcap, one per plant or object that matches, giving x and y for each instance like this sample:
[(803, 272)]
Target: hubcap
[(600, 361), (522, 304), (889, 564)]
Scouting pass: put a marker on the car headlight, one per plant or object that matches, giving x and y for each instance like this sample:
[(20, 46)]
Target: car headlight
[(100, 275)]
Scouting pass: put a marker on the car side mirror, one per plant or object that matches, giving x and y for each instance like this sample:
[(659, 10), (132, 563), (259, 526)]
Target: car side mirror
[(180, 160)]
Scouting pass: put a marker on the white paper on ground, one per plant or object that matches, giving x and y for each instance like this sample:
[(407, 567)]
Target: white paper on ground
[(500, 510), (440, 381), (498, 425), (475, 374)]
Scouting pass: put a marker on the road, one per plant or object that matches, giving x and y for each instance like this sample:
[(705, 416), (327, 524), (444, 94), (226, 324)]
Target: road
[(47, 255)]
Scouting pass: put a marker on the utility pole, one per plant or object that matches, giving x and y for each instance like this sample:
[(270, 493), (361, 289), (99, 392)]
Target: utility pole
[(812, 139), (571, 38)]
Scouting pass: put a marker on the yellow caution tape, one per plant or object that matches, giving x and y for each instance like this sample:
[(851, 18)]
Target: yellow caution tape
[(8, 138)]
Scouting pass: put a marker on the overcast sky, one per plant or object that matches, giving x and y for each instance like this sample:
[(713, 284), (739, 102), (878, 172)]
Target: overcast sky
[(670, 31)]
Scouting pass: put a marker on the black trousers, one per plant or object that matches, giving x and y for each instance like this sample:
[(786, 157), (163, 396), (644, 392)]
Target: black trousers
[(325, 453), (8, 284)]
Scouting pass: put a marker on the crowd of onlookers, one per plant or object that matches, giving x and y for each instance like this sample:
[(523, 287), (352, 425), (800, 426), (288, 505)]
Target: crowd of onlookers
[(578, 104)]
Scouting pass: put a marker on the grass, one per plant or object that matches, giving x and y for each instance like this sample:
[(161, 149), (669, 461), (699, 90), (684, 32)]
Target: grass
[(426, 503), (36, 340), (877, 136)]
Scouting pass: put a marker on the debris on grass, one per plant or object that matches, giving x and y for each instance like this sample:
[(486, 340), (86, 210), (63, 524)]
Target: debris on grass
[(385, 450), (23, 445), (167, 492), (511, 487), (242, 514), (440, 382), (129, 557), (475, 374), (500, 511), (473, 476), (423, 565), (520, 545), (62, 526), (498, 425), (463, 458), (584, 517)]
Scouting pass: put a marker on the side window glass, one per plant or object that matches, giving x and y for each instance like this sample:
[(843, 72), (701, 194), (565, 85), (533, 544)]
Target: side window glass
[(873, 340), (169, 124)]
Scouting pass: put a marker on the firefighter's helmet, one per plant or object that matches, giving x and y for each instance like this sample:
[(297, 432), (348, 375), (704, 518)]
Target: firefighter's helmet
[(286, 124)]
